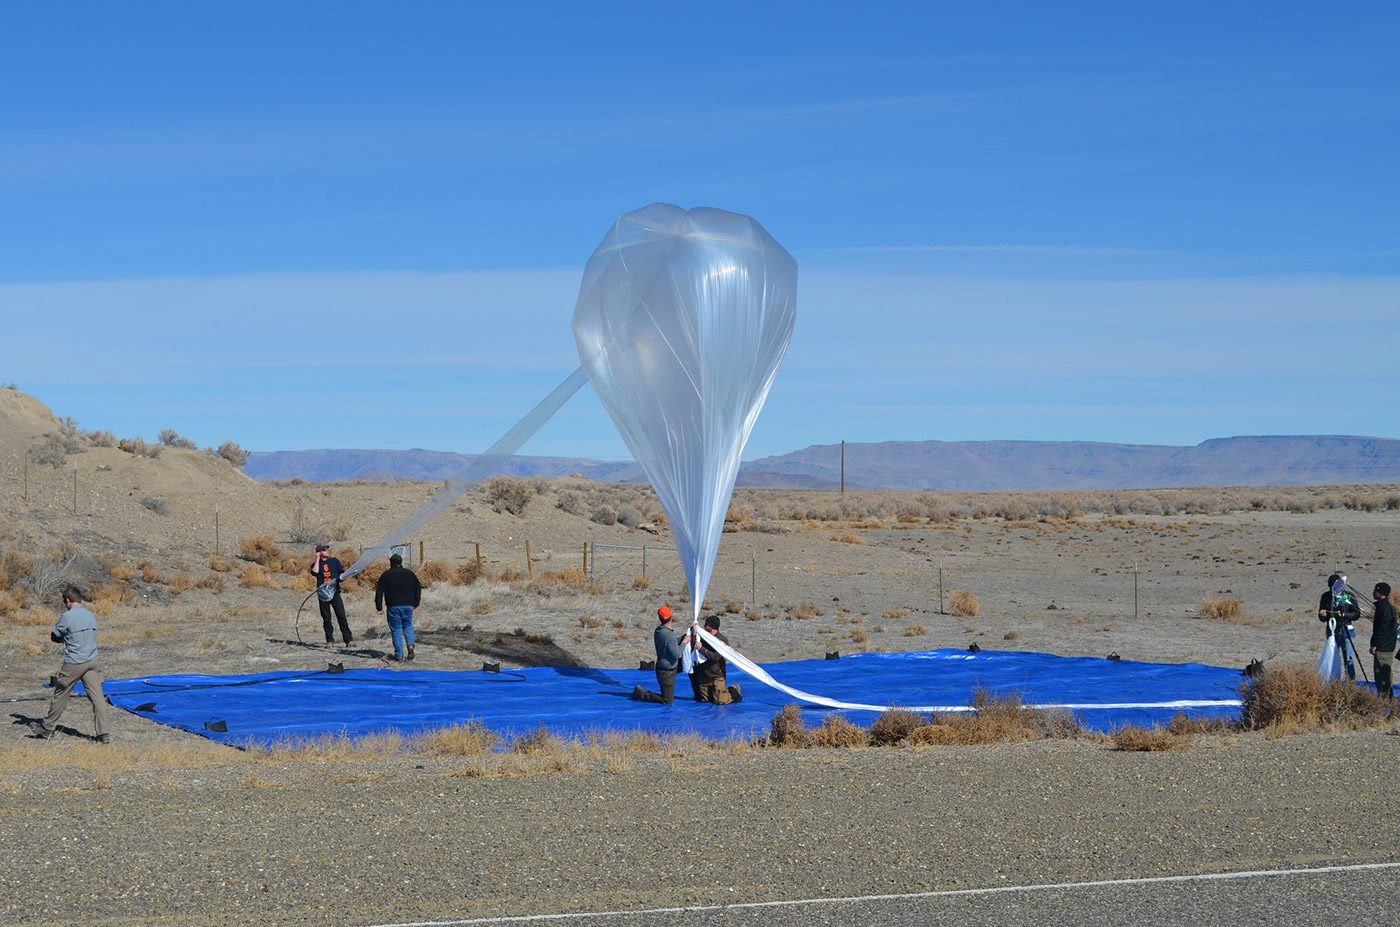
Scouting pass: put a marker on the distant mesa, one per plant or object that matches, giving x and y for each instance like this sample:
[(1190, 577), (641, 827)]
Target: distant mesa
[(953, 466)]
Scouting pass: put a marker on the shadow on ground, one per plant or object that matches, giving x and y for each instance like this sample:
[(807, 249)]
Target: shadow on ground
[(519, 649)]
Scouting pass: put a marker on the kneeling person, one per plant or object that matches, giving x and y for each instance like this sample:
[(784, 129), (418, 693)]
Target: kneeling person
[(708, 677), (668, 658)]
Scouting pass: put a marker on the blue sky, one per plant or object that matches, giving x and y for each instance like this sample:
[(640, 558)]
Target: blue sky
[(1114, 222)]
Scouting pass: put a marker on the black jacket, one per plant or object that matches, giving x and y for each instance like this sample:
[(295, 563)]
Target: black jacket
[(397, 586), (1346, 611), (1383, 626)]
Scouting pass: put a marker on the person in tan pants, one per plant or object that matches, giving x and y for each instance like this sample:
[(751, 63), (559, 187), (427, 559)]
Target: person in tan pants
[(76, 630)]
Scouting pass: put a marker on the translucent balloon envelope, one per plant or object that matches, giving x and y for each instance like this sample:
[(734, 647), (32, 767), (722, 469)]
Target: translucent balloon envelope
[(682, 321)]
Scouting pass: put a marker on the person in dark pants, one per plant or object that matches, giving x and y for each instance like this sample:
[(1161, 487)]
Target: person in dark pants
[(76, 630), (1383, 639), (1338, 605), (399, 589), (668, 658), (709, 676), (327, 570)]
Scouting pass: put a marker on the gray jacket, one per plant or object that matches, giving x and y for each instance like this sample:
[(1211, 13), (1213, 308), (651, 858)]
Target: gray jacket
[(77, 631), (668, 648)]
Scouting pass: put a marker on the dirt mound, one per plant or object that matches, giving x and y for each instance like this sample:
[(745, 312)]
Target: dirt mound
[(23, 419)]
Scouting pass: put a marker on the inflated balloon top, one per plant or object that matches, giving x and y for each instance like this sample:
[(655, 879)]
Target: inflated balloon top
[(682, 321)]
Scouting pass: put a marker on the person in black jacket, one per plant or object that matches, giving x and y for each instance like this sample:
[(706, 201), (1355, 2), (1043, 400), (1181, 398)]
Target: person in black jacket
[(327, 570), (399, 589), (1339, 605), (709, 677), (1383, 638)]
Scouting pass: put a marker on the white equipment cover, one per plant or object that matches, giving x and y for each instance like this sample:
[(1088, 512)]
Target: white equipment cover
[(682, 321)]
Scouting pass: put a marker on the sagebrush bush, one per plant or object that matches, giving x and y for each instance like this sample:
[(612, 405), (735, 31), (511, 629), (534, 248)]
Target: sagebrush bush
[(508, 494), (232, 453), (139, 448)]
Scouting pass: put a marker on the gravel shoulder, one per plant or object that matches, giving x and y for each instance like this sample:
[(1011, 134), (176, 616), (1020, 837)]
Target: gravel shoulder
[(400, 841)]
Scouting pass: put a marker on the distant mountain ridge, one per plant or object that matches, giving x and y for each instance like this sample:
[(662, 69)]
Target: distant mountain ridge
[(954, 466)]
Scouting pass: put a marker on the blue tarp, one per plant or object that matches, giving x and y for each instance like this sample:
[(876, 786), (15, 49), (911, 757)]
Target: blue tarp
[(266, 708)]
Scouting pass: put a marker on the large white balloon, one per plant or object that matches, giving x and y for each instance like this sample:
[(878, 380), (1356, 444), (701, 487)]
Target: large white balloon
[(681, 323)]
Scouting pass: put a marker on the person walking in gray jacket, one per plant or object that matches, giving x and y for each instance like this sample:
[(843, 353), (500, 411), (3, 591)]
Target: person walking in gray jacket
[(76, 630)]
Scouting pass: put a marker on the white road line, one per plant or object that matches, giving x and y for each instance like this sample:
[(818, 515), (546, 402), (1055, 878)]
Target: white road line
[(908, 896)]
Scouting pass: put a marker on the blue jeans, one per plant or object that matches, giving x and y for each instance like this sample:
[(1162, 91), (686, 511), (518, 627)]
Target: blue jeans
[(401, 626), (1346, 642)]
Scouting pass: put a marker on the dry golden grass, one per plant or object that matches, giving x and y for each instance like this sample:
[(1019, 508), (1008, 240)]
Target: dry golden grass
[(1231, 610), (894, 726), (40, 616), (837, 731), (848, 538), (895, 612), (1155, 739), (253, 576), (469, 739), (263, 551), (964, 604), (641, 582), (915, 630), (434, 571), (1290, 699), (859, 636), (805, 611)]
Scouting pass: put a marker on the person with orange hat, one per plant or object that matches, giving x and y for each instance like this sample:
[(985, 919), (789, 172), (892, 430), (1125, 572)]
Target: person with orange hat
[(668, 659)]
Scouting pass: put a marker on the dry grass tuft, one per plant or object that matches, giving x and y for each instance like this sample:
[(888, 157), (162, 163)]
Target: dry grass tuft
[(964, 604), (805, 611), (1288, 699), (788, 728), (837, 731), (915, 630), (895, 612), (1231, 610), (1153, 739), (434, 571), (470, 739), (894, 727), (253, 576), (263, 551)]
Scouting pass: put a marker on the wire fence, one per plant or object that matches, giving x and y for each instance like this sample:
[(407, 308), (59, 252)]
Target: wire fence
[(616, 564)]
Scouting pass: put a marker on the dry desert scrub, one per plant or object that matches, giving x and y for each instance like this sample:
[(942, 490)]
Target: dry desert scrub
[(1231, 610), (1292, 699), (964, 604), (994, 719)]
